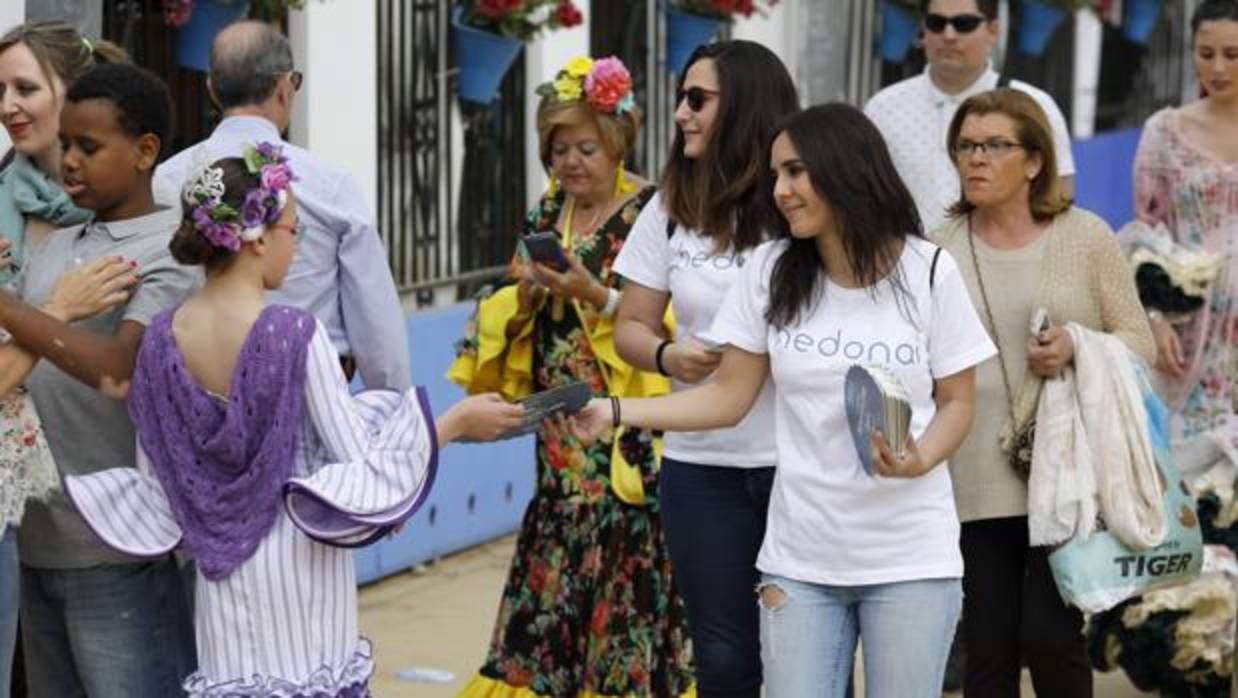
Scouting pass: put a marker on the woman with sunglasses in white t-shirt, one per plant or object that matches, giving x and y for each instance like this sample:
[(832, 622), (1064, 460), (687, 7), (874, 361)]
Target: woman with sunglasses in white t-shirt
[(685, 251), (855, 547)]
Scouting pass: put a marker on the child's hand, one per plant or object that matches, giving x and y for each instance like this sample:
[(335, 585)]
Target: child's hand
[(91, 288), (480, 417)]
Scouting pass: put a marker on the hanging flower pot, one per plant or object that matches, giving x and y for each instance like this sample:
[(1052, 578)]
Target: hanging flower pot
[(483, 58), (898, 30), (206, 19), (1038, 21), (684, 32), (1139, 18)]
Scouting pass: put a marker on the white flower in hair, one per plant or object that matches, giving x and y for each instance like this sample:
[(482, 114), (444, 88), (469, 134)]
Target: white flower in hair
[(205, 182)]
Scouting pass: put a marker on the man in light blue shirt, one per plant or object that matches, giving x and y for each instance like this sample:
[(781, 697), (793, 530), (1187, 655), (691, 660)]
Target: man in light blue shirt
[(340, 271)]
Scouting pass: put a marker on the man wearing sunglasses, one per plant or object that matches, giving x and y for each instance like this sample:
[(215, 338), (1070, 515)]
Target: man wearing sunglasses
[(913, 115), (340, 271)]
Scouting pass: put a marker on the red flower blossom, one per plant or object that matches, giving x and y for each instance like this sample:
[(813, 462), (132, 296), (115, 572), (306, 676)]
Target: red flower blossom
[(568, 15), (607, 83), (601, 618), (517, 676), (496, 9), (537, 577)]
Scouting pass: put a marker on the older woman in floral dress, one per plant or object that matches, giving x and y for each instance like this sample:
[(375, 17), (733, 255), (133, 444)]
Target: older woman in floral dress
[(590, 606)]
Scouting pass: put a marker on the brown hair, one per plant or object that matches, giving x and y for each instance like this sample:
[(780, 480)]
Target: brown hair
[(723, 194), (1032, 131), (617, 132), (60, 51), (189, 246)]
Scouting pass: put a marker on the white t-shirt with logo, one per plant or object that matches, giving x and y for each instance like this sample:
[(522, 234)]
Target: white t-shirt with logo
[(830, 522), (698, 279)]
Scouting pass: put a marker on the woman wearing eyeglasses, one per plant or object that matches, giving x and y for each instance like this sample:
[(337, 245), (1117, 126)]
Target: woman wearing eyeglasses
[(1021, 247), (913, 115), (684, 252)]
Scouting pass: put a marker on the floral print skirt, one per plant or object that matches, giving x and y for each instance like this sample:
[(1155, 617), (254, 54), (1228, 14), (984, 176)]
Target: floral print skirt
[(590, 606), (27, 471)]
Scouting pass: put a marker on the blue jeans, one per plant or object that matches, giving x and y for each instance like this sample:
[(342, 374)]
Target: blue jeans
[(713, 519), (113, 630), (809, 634), (10, 578)]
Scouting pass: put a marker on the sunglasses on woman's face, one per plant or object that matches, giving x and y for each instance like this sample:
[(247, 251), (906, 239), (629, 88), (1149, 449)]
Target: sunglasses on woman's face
[(696, 97), (963, 24)]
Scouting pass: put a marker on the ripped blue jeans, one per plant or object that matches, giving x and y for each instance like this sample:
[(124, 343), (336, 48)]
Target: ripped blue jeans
[(809, 634)]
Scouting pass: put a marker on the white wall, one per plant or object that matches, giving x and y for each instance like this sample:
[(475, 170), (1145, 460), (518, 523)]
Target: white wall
[(776, 31), (1088, 31), (12, 13), (336, 112)]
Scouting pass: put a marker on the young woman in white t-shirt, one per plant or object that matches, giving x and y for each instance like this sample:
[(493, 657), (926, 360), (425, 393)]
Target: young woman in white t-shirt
[(847, 554), (686, 250)]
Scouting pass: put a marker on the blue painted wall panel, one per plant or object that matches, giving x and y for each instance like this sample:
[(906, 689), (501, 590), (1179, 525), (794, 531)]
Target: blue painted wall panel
[(1104, 174), (481, 490)]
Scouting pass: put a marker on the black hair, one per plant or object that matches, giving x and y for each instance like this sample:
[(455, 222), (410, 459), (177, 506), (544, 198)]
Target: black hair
[(850, 169), (189, 245), (140, 97), (988, 8), (245, 70), (720, 192), (1212, 11)]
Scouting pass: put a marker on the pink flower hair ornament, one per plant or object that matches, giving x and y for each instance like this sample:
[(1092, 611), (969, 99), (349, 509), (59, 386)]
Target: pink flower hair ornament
[(222, 224)]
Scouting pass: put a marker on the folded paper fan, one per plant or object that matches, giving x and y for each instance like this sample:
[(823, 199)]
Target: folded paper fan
[(876, 399)]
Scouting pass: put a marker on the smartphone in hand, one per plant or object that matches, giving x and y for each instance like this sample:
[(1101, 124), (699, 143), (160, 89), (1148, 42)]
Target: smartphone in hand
[(544, 248), (1040, 322)]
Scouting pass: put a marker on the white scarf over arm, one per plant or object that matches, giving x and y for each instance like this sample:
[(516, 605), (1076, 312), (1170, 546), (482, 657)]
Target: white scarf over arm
[(1093, 453)]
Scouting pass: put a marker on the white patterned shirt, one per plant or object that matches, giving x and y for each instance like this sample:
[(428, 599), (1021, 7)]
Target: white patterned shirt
[(914, 116)]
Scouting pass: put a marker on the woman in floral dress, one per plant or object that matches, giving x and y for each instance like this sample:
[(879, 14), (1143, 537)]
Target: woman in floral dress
[(590, 606), (1186, 178), (1186, 185)]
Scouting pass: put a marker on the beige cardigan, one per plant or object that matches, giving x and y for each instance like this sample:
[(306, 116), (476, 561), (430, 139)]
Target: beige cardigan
[(1087, 280)]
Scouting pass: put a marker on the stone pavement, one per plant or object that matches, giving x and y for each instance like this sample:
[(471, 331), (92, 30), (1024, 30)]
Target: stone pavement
[(439, 617)]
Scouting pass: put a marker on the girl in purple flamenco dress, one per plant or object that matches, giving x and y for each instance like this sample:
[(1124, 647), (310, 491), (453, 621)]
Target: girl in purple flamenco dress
[(254, 457)]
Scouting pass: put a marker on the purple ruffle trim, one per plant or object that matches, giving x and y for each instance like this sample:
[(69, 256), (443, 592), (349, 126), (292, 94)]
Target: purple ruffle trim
[(350, 681)]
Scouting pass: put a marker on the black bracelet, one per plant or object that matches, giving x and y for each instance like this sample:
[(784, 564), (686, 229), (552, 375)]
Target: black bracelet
[(614, 411), (657, 356)]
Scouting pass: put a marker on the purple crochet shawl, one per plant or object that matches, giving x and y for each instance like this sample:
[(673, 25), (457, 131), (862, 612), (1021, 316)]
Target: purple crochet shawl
[(221, 465)]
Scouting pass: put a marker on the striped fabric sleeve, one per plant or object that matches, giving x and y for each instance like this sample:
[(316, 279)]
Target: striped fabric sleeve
[(382, 456), (126, 508)]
